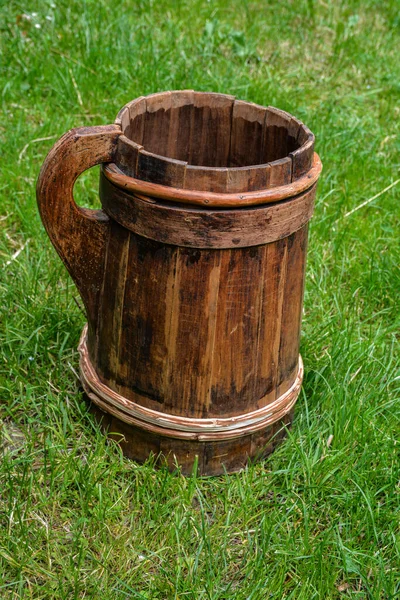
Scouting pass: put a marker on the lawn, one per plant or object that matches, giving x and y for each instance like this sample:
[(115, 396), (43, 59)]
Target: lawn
[(320, 517)]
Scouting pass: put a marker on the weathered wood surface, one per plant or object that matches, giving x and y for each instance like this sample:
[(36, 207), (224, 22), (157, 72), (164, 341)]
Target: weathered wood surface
[(78, 234), (214, 137), (192, 275), (281, 191), (197, 332), (189, 226), (184, 427), (212, 458)]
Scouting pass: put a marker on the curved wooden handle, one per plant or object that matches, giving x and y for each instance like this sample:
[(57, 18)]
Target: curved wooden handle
[(78, 234)]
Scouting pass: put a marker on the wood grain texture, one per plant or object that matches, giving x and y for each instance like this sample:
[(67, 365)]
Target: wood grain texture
[(134, 412), (181, 123), (247, 134), (190, 332), (189, 226), (151, 167), (200, 178), (235, 346), (192, 275), (223, 144), (248, 179), (156, 125), (277, 189), (212, 459), (212, 118), (128, 154), (302, 158), (112, 304), (272, 287), (292, 305), (143, 348), (275, 142), (202, 333), (280, 173), (78, 234), (137, 114)]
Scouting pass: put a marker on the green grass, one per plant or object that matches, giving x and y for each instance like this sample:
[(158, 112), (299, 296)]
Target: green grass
[(315, 520)]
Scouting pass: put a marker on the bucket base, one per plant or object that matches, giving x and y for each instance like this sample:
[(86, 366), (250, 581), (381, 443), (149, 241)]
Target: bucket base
[(213, 458), (216, 445)]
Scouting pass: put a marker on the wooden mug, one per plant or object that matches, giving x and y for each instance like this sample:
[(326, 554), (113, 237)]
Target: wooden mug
[(192, 274)]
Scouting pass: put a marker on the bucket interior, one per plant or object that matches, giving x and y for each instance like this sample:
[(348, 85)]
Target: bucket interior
[(211, 141)]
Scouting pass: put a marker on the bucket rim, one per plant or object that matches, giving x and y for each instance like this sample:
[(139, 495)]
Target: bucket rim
[(188, 142)]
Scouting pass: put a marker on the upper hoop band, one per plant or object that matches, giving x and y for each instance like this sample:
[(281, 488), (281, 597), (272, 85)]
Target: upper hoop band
[(214, 199)]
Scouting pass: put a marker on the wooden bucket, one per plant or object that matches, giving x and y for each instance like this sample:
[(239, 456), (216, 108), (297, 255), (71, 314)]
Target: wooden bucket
[(192, 275)]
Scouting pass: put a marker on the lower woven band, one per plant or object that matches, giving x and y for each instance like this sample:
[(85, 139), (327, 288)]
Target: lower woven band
[(211, 429)]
